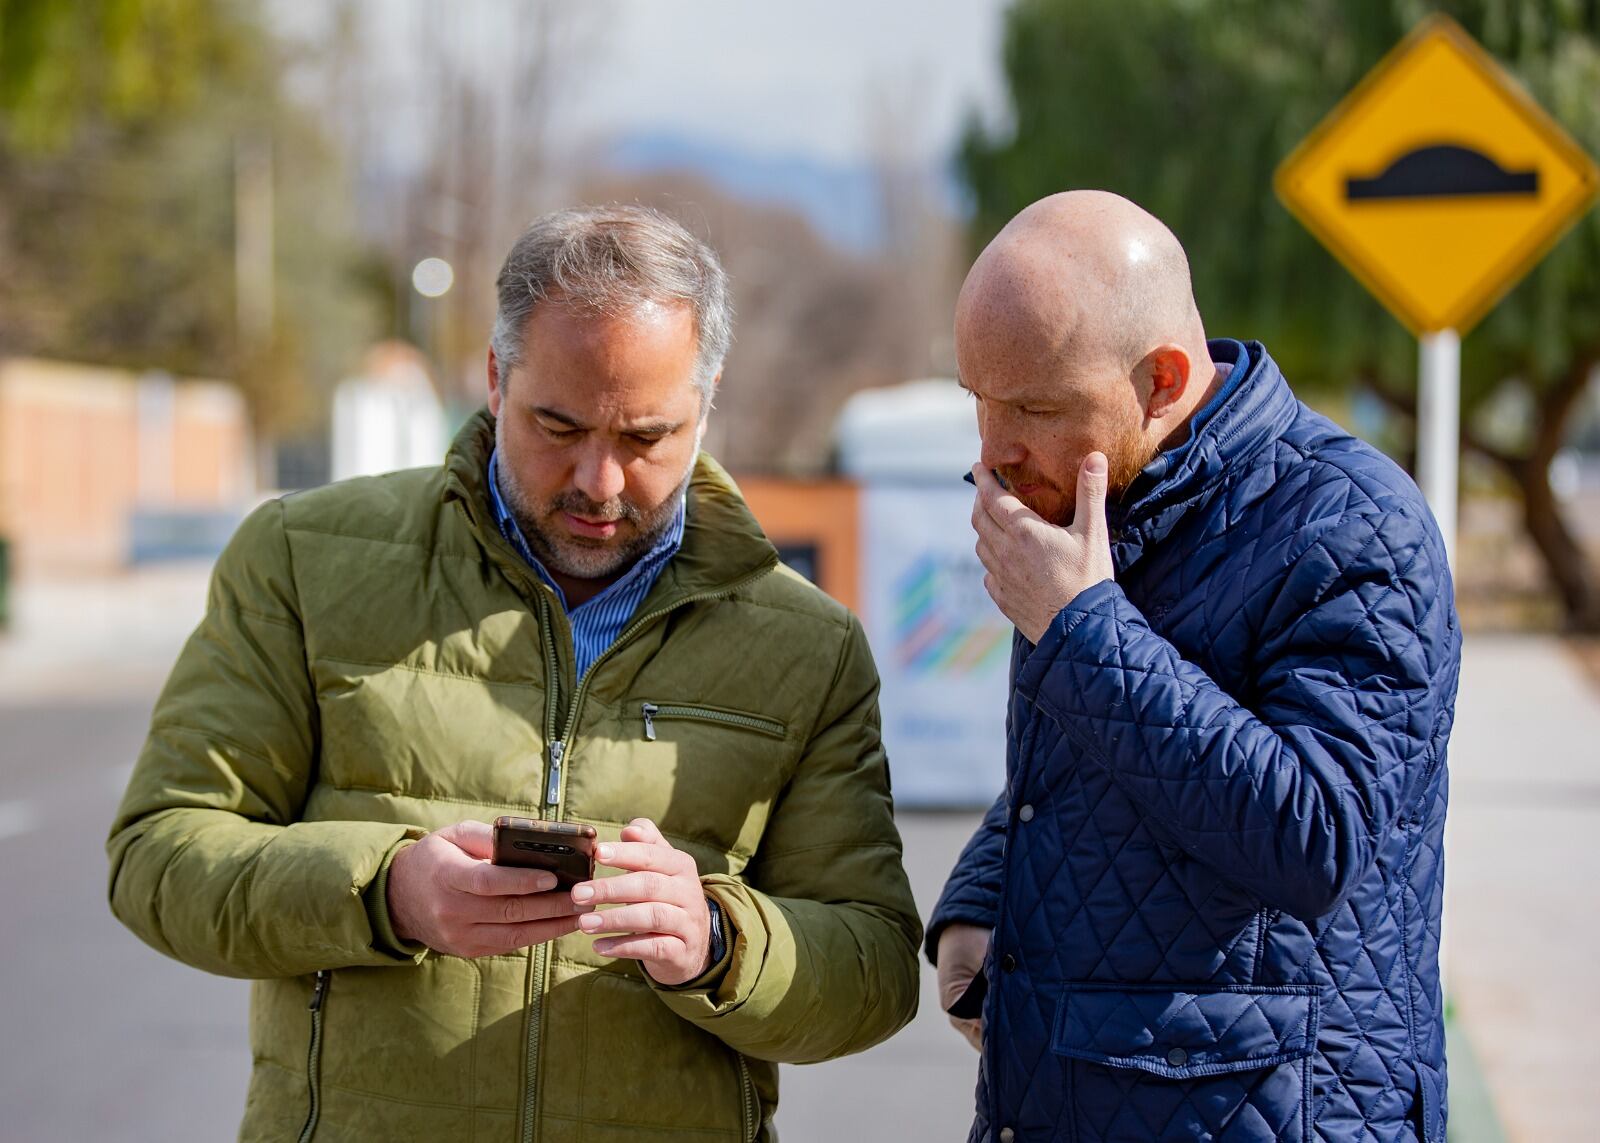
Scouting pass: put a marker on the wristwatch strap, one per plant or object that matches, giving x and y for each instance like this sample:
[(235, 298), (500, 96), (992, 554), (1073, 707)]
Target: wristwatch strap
[(719, 941)]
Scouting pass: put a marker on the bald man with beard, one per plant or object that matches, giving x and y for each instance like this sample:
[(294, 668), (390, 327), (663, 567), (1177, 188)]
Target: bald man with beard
[(1207, 905)]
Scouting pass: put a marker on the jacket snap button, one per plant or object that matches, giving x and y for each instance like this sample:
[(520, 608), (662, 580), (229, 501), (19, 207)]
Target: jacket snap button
[(1008, 963), (1007, 1135), (1177, 1057), (1025, 813)]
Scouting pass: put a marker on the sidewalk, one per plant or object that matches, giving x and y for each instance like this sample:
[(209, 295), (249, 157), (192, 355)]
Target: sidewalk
[(1522, 866), (113, 636)]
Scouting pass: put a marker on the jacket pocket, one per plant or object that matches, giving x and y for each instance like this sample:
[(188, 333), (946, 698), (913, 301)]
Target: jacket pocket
[(1161, 1062), (652, 713)]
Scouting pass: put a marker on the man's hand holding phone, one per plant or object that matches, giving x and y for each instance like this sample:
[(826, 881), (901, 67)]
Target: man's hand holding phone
[(662, 911), (962, 949), (444, 892)]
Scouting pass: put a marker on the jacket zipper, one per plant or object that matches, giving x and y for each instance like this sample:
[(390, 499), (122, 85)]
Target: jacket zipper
[(540, 966), (747, 1099), (653, 711), (552, 792), (552, 789), (314, 1057)]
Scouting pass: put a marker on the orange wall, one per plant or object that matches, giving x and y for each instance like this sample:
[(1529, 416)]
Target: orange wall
[(70, 463), (821, 512)]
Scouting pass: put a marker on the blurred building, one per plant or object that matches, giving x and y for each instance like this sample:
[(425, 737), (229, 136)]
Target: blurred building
[(891, 538), (815, 525), (100, 467), (388, 416), (916, 432)]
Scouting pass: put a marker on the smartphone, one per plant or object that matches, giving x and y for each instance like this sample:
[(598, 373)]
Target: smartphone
[(969, 1005), (970, 479), (564, 848)]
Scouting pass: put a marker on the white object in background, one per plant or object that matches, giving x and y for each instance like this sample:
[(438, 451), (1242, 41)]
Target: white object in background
[(919, 430), (388, 418), (942, 647), (156, 399)]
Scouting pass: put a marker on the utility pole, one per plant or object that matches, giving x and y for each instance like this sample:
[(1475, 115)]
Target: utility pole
[(253, 266)]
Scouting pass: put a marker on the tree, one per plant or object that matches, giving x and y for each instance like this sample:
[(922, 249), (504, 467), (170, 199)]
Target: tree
[(814, 324), (62, 63), (1187, 107), (120, 130), (452, 149)]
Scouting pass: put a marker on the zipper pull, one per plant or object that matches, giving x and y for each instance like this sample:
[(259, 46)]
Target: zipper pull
[(321, 988), (552, 790), (649, 710)]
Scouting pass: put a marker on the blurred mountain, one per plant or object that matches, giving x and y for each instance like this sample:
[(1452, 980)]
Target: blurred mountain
[(843, 202)]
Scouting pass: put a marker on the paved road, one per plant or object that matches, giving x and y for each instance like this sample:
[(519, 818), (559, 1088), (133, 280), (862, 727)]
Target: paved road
[(104, 1038)]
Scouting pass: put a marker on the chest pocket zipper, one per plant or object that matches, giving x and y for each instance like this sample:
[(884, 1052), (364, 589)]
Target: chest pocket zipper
[(314, 1057), (653, 711)]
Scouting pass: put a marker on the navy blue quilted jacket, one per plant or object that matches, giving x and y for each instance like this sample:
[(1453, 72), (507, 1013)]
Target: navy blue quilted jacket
[(1215, 875)]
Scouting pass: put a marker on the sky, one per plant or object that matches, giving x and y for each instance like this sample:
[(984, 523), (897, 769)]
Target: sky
[(806, 79), (798, 80)]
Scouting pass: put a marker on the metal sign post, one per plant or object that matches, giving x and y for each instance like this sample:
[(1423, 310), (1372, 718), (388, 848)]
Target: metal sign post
[(1439, 429)]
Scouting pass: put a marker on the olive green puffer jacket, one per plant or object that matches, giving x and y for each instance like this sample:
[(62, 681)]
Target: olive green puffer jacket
[(375, 662)]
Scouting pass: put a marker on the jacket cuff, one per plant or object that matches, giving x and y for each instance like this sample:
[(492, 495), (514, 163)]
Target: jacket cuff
[(376, 899), (942, 920), (1105, 597)]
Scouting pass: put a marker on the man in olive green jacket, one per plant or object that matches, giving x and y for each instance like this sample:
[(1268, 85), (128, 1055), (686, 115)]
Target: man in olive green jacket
[(576, 618)]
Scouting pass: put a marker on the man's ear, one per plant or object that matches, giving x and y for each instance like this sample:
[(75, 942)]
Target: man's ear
[(1166, 371), (496, 397)]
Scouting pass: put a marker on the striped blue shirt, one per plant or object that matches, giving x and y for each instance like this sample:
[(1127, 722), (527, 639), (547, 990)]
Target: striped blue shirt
[(596, 622)]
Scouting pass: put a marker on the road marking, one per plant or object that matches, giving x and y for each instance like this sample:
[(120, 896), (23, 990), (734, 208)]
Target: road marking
[(17, 818)]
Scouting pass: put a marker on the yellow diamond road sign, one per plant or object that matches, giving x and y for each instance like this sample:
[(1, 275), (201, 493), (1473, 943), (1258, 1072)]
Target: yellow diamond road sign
[(1438, 182)]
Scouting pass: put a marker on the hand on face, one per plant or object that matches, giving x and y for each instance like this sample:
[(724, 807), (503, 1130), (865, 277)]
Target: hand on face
[(445, 893), (1035, 568), (663, 911)]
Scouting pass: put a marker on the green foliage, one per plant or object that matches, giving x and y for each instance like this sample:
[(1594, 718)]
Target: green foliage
[(1188, 106), (119, 123), (63, 62)]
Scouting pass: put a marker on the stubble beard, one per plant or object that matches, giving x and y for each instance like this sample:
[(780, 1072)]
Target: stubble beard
[(1126, 457), (582, 557)]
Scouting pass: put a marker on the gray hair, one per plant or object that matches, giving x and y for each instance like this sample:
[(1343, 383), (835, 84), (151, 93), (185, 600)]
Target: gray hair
[(612, 260)]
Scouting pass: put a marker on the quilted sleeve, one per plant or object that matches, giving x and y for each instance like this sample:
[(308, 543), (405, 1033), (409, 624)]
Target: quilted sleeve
[(209, 863), (1286, 796), (825, 930), (971, 894)]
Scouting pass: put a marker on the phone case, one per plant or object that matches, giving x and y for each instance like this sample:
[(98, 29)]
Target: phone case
[(969, 1005), (564, 848)]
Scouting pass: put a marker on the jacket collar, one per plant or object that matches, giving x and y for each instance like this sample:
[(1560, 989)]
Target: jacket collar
[(723, 546), (1254, 407)]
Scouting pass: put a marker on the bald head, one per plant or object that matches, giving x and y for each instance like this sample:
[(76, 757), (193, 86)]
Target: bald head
[(1077, 330), (1087, 275)]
